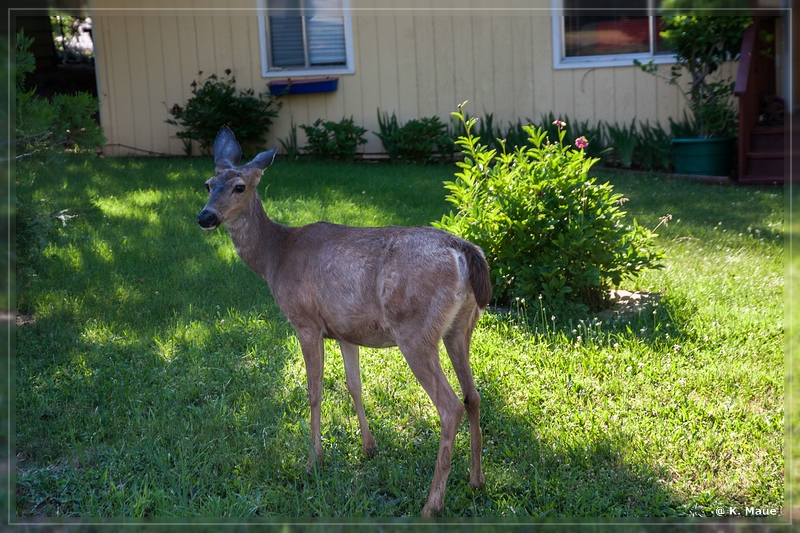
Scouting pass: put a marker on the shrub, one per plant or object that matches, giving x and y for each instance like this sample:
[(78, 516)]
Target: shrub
[(45, 126), (334, 140), (416, 141), (214, 103), (547, 228)]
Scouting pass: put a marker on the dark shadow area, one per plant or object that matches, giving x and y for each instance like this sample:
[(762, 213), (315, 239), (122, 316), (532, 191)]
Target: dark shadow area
[(585, 477), (63, 79)]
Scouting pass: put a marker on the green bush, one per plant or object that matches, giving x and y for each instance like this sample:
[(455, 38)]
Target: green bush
[(547, 228), (214, 103), (334, 140), (42, 125), (416, 141), (66, 121)]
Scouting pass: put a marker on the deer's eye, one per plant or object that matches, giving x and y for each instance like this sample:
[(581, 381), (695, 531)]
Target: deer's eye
[(208, 187), (239, 188)]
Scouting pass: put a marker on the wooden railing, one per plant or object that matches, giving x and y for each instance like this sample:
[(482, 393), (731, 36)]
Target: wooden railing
[(755, 76)]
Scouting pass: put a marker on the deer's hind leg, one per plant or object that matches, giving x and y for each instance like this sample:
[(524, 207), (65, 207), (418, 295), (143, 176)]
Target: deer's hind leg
[(457, 342), (353, 376), (423, 357)]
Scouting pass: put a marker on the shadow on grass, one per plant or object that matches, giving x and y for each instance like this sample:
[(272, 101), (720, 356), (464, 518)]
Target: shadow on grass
[(584, 475)]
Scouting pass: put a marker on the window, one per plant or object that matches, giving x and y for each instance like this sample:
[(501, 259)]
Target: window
[(305, 37), (615, 35)]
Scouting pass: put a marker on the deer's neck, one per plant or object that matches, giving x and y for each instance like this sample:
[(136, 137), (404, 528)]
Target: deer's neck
[(258, 240)]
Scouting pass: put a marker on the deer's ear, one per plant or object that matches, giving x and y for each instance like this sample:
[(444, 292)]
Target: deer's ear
[(227, 152), (263, 160)]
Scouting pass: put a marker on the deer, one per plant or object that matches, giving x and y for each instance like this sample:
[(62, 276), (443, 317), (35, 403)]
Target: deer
[(374, 287)]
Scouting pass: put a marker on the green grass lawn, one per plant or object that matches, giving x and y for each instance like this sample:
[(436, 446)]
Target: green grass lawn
[(159, 378)]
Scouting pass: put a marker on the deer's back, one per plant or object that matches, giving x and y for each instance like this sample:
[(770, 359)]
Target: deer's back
[(362, 284)]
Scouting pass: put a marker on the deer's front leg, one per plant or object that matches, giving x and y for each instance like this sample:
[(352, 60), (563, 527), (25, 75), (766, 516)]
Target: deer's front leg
[(353, 375), (311, 344)]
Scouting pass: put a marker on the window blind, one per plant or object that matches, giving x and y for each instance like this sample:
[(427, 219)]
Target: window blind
[(286, 41), (306, 34)]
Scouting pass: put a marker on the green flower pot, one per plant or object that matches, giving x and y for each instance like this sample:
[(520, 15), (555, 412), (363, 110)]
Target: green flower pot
[(711, 156)]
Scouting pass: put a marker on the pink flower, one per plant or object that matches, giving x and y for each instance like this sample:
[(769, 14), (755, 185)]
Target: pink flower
[(581, 142), (560, 124)]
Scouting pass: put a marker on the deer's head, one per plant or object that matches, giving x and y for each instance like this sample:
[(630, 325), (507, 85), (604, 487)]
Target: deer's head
[(232, 187)]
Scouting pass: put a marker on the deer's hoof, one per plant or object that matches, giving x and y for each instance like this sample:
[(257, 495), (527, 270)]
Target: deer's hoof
[(371, 452), (477, 482), (430, 510), (312, 464)]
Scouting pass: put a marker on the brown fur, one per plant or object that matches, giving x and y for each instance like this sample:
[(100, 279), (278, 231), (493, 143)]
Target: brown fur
[(376, 287)]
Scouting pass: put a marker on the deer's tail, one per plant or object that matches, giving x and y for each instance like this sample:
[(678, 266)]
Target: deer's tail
[(479, 278)]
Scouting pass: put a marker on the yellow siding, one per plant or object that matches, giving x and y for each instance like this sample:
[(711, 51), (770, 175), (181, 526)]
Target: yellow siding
[(413, 63)]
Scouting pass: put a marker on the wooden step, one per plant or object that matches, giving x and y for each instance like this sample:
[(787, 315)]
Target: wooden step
[(767, 128), (766, 138), (765, 164), (749, 179)]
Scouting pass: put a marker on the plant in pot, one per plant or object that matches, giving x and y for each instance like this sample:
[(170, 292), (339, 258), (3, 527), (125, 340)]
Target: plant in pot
[(702, 43)]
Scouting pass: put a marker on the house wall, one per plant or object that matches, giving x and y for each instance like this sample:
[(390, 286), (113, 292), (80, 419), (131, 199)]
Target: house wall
[(414, 62)]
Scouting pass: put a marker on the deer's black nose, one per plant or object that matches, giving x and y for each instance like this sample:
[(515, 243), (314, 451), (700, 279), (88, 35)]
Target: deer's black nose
[(207, 219)]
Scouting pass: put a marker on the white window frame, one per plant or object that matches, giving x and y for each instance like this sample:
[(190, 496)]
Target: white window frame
[(328, 70), (610, 60)]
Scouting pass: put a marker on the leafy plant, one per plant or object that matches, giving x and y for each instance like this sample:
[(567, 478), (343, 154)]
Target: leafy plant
[(683, 128), (547, 228), (42, 125), (215, 102), (653, 148), (516, 136), (290, 143), (702, 43), (416, 141), (25, 61), (624, 140), (334, 140), (485, 130)]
